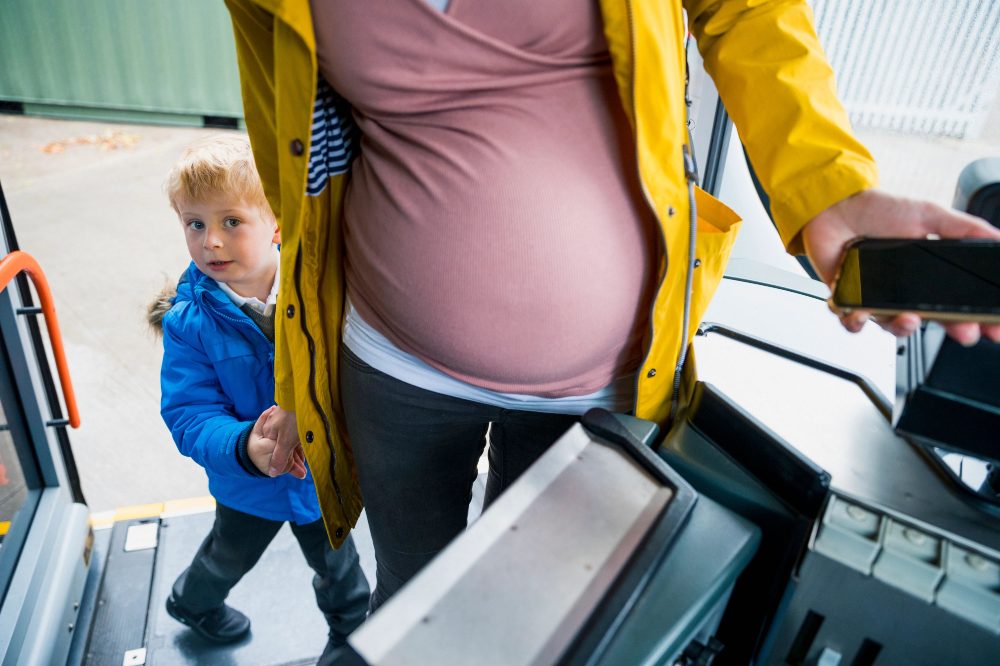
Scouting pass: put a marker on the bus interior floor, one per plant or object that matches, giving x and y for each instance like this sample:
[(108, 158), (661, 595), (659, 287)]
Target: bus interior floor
[(287, 628)]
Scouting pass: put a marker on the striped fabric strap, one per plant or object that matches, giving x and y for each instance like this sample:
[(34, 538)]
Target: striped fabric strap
[(334, 138)]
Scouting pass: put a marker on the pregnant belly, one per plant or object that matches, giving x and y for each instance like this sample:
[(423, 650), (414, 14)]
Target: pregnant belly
[(545, 293)]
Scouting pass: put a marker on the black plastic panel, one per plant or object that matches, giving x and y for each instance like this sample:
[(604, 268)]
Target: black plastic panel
[(796, 480), (747, 468), (985, 203), (867, 621), (120, 619)]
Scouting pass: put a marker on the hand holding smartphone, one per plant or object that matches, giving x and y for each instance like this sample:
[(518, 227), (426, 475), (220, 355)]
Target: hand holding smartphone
[(939, 279)]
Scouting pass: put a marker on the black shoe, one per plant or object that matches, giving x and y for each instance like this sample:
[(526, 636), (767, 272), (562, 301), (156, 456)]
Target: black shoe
[(336, 647), (219, 625)]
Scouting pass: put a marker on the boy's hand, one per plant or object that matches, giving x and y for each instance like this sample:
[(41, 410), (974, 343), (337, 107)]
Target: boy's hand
[(261, 447), (287, 455)]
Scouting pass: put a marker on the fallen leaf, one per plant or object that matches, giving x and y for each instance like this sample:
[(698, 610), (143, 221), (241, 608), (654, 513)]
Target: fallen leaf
[(110, 140)]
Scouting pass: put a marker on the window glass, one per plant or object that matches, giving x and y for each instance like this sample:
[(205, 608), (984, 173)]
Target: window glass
[(19, 480), (920, 80), (13, 488)]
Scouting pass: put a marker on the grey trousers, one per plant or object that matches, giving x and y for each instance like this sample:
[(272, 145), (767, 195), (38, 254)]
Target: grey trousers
[(234, 546), (416, 453)]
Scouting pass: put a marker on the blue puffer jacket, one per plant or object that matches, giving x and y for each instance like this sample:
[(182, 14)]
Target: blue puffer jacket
[(216, 379)]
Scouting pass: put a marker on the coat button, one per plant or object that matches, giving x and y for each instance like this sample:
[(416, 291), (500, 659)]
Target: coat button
[(297, 147), (671, 211), (290, 312), (651, 373), (309, 436), (339, 532), (697, 263)]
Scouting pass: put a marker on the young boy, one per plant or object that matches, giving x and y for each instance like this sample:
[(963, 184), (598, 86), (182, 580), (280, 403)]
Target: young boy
[(217, 386)]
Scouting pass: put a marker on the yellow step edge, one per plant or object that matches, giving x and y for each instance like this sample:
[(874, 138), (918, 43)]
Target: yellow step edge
[(178, 507), (102, 519), (138, 511)]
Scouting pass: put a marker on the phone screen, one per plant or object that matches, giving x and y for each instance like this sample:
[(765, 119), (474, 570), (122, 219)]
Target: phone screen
[(956, 276)]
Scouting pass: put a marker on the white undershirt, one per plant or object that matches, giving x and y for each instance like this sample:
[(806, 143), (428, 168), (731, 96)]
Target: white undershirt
[(377, 351)]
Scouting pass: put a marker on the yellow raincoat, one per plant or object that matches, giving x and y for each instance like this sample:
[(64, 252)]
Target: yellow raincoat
[(770, 72)]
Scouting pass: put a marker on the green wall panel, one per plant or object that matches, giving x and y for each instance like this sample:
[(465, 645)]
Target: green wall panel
[(156, 56)]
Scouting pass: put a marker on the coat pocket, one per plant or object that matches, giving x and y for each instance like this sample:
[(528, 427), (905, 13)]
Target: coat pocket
[(717, 229)]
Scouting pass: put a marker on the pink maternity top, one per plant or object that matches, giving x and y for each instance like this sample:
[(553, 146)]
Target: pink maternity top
[(494, 223)]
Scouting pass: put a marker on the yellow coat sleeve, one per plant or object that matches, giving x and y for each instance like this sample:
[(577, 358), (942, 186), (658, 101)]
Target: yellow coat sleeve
[(779, 89)]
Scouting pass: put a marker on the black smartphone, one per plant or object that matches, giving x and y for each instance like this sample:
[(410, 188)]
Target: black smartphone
[(943, 279)]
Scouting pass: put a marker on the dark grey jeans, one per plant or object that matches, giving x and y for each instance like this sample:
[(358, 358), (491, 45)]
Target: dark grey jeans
[(234, 546), (416, 453)]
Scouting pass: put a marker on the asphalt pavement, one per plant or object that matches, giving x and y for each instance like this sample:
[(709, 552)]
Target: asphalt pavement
[(86, 200)]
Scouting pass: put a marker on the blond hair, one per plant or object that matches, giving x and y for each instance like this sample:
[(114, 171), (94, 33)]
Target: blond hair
[(217, 164)]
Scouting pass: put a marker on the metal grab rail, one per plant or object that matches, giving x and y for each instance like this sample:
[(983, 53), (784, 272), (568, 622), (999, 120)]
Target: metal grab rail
[(10, 266)]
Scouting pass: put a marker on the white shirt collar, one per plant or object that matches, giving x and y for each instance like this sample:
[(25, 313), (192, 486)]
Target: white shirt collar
[(264, 308)]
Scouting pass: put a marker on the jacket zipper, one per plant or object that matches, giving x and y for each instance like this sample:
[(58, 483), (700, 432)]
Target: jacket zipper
[(691, 179), (245, 321), (297, 275), (691, 176)]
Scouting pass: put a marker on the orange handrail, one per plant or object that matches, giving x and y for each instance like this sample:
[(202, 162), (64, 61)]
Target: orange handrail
[(10, 266)]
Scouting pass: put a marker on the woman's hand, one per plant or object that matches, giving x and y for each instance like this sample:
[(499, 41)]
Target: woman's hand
[(286, 456), (873, 213)]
